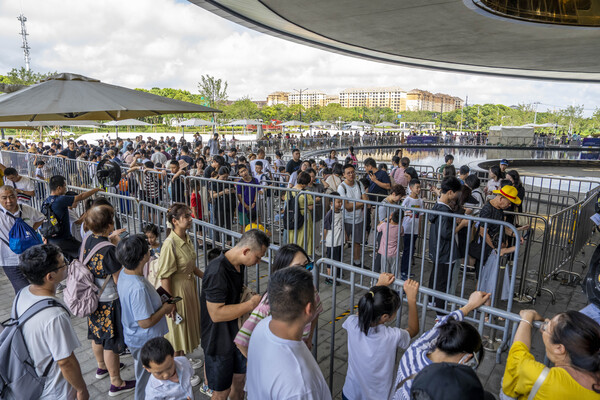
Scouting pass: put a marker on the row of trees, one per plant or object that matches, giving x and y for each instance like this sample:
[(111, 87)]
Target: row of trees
[(212, 92)]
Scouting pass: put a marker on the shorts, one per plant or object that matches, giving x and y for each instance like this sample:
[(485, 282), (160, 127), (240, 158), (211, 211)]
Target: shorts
[(354, 231), (220, 369)]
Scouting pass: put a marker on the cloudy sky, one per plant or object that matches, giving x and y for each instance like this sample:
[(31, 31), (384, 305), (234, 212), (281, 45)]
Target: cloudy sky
[(171, 43)]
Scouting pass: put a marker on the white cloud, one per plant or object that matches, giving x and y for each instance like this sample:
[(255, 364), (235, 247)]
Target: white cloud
[(169, 43)]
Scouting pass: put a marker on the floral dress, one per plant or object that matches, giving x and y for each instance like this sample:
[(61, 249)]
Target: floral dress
[(104, 324)]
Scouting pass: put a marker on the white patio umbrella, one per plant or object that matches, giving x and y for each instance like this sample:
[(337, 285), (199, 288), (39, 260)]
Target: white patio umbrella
[(244, 123), (385, 125), (194, 122), (126, 122), (39, 125)]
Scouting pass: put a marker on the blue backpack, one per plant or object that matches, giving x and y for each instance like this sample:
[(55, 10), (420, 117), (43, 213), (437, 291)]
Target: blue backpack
[(21, 236)]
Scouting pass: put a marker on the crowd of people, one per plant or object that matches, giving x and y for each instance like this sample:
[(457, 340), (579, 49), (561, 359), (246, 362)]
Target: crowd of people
[(159, 304)]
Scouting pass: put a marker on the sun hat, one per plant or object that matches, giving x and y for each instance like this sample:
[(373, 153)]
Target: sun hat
[(510, 192), (446, 381)]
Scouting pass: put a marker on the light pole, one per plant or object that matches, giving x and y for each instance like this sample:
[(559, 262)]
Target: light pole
[(300, 100), (535, 115)]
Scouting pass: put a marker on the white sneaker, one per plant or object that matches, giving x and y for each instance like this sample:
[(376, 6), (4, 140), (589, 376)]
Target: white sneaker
[(195, 381), (196, 363)]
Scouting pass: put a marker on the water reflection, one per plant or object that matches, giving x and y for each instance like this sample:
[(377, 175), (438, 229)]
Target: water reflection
[(435, 156)]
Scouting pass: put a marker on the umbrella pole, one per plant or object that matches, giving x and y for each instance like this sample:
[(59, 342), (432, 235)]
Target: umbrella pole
[(117, 131)]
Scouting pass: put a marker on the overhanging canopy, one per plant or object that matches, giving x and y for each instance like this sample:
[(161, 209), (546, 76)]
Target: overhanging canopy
[(451, 35)]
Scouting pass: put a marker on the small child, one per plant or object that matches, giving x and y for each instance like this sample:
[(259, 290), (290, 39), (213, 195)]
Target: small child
[(389, 239), (39, 169), (152, 234), (410, 225), (171, 376), (372, 345), (333, 230)]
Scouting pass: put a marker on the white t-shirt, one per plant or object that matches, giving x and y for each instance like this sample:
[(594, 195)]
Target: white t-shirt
[(49, 335), (354, 192), (280, 369), (407, 222), (30, 215), (25, 184), (266, 167), (334, 223), (371, 360)]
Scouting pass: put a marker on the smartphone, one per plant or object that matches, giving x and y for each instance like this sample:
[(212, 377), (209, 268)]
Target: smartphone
[(124, 234), (164, 295), (174, 300)]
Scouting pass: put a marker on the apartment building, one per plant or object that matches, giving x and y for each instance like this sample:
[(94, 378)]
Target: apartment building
[(393, 97), (277, 98)]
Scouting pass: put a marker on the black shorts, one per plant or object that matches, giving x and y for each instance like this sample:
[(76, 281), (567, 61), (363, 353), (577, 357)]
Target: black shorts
[(220, 369)]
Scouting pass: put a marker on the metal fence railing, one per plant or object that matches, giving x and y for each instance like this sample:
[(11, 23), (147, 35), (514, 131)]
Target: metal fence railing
[(558, 219)]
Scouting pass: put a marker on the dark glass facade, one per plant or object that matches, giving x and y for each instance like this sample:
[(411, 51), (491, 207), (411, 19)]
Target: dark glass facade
[(563, 12)]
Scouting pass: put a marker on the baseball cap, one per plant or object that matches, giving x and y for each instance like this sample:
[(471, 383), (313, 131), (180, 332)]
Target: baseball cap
[(504, 161), (510, 192), (449, 381)]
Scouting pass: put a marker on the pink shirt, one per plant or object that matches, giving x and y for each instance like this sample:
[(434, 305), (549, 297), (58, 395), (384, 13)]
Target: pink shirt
[(263, 310), (392, 244)]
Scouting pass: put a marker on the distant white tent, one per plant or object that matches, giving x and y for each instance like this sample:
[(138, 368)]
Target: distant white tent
[(359, 123), (244, 123), (321, 123), (385, 125), (293, 123), (196, 122), (127, 122)]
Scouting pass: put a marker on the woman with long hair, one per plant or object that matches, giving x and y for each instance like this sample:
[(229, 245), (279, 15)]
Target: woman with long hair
[(104, 325)]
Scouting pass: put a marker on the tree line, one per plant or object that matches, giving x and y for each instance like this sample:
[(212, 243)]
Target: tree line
[(212, 92)]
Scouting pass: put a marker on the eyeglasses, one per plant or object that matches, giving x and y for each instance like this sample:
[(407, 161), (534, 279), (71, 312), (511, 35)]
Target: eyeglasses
[(65, 265)]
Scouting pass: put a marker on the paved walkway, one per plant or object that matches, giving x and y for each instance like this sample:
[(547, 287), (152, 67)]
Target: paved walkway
[(568, 297)]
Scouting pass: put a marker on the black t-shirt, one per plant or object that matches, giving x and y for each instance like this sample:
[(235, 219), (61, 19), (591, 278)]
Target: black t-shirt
[(105, 263), (221, 284), (178, 190), (208, 171), (68, 153), (293, 166), (60, 206)]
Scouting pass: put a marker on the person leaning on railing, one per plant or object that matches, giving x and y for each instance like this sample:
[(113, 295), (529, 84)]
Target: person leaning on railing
[(572, 342)]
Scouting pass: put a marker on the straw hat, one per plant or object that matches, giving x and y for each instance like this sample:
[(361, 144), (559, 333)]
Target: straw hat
[(510, 192)]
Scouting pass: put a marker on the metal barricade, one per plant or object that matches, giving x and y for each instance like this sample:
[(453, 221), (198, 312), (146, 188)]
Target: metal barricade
[(342, 307)]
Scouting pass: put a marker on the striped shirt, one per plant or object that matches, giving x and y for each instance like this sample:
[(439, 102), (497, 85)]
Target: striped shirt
[(415, 358), (263, 310)]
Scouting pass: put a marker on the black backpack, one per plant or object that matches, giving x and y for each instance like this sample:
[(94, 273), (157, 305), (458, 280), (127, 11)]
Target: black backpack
[(291, 220), (52, 225)]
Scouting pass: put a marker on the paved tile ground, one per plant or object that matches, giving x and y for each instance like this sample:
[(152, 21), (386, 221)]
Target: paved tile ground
[(567, 297)]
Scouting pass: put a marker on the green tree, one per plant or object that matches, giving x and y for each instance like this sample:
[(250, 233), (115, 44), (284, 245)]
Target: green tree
[(212, 90), (242, 109), (17, 79)]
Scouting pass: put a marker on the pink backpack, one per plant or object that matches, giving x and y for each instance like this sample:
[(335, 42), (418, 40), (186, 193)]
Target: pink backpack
[(81, 294)]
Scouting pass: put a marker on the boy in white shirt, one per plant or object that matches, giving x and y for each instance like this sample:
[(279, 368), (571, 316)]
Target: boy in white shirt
[(410, 225), (170, 376)]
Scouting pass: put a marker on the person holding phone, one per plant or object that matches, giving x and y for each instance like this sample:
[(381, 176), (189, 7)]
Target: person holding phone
[(143, 312), (177, 272)]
